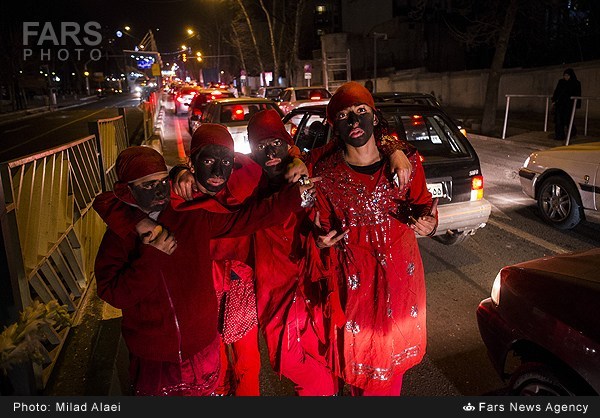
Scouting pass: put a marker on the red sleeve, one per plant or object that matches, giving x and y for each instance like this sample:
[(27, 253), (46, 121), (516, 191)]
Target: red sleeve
[(257, 214), (123, 281), (118, 215)]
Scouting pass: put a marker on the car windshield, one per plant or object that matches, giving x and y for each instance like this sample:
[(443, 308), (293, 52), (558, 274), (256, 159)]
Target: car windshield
[(237, 112), (430, 133), (314, 94)]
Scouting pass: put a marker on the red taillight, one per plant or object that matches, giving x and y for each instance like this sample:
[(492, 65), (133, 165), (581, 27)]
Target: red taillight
[(293, 130), (238, 113), (476, 187), (197, 112)]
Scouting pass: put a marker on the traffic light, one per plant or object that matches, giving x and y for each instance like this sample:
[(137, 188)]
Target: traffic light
[(184, 57)]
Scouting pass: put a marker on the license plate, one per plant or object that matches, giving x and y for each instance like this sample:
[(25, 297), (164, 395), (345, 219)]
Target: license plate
[(436, 190)]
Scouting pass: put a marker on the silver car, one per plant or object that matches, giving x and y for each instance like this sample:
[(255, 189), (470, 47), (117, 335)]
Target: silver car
[(565, 182)]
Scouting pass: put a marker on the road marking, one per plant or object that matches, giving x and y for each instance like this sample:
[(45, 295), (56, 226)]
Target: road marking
[(51, 130), (16, 129), (528, 237)]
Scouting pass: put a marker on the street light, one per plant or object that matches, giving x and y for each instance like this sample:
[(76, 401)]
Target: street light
[(384, 37)]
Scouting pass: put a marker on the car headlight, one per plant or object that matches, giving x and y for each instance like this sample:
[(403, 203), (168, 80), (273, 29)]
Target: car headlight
[(496, 289)]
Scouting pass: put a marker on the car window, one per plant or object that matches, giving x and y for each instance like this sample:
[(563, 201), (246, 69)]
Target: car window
[(286, 96), (313, 94), (239, 112), (430, 134), (313, 131)]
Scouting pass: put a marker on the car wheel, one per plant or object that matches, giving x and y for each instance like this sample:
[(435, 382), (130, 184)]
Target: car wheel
[(452, 237), (558, 201), (537, 379)]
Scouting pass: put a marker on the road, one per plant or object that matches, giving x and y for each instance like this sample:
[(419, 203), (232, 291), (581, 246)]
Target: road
[(458, 277), (36, 133)]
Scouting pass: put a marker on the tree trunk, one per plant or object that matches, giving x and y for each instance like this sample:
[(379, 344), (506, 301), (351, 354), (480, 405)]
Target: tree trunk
[(490, 106), (251, 29), (272, 38)]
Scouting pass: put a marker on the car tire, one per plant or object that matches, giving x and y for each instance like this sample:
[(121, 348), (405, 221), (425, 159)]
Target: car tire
[(559, 203), (538, 379), (452, 237)]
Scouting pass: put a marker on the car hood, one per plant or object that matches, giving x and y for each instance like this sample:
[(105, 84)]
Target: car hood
[(588, 152), (581, 265)]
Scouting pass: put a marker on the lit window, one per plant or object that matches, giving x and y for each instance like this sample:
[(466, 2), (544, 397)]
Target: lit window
[(321, 9)]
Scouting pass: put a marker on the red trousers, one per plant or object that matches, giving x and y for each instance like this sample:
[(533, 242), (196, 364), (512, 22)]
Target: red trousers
[(301, 360), (240, 362)]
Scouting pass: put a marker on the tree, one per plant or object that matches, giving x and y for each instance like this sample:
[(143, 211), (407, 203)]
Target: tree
[(253, 36), (489, 24)]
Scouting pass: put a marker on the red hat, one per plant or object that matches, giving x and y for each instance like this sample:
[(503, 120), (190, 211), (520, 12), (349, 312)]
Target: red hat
[(267, 124), (348, 94), (133, 164), (210, 133), (136, 162)]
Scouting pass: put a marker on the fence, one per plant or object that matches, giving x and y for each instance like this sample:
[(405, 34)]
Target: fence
[(547, 99), (50, 234)]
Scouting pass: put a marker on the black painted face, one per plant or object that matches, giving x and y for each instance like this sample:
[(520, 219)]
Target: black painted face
[(213, 165), (152, 195), (355, 125), (272, 155)]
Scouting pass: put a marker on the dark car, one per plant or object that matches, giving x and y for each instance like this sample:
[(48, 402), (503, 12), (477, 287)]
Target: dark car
[(406, 97), (541, 325), (450, 162), (199, 102)]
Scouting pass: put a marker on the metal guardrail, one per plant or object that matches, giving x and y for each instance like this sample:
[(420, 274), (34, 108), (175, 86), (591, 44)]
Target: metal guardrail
[(547, 99), (50, 235)]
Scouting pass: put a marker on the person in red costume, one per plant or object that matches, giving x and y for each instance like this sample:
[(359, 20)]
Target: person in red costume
[(377, 299), (165, 288), (288, 307)]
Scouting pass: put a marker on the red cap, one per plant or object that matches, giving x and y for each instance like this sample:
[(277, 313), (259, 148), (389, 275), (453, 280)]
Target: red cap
[(210, 133), (136, 162), (267, 124), (348, 94)]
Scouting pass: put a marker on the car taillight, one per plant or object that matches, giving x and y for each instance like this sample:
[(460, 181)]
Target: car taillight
[(238, 113), (293, 129), (197, 112), (477, 188), (315, 97)]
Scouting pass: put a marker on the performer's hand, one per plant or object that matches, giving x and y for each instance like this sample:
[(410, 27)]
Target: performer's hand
[(296, 169), (148, 228), (331, 238), (164, 241), (401, 168), (185, 185), (426, 225)]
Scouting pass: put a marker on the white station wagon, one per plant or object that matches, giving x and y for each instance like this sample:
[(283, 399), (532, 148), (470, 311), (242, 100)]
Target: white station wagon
[(565, 181)]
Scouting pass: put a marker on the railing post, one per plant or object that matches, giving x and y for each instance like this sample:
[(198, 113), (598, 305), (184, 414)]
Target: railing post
[(587, 109), (571, 121), (546, 117), (506, 116)]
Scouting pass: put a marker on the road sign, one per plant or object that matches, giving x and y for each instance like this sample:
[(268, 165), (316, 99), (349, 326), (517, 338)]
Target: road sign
[(307, 76)]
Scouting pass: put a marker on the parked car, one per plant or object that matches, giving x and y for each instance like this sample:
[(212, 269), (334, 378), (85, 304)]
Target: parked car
[(565, 183), (199, 102), (541, 325), (450, 162), (271, 92), (406, 97), (182, 98), (294, 97), (234, 113)]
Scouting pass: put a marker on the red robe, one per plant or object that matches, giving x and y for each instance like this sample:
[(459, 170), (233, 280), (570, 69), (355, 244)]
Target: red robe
[(168, 301), (377, 302)]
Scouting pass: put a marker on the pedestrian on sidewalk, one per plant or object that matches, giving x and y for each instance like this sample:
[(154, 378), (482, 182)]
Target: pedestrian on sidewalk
[(164, 286), (568, 86)]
